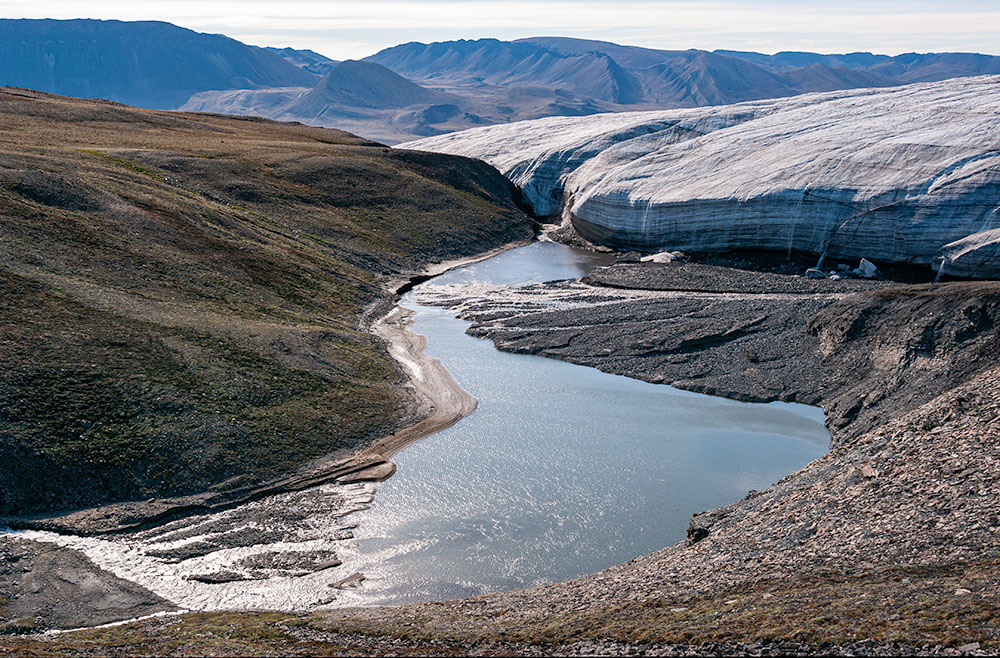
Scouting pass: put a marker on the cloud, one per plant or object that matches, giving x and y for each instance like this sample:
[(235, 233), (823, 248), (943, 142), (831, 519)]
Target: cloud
[(355, 28)]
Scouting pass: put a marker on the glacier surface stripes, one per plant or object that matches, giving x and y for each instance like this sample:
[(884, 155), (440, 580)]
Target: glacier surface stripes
[(905, 174)]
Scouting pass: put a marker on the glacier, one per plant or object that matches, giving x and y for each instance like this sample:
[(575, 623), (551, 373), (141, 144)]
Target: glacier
[(903, 175)]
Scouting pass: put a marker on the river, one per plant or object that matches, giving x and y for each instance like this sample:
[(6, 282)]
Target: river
[(562, 470)]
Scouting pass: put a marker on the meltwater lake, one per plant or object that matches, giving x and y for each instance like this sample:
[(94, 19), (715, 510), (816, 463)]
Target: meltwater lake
[(563, 470)]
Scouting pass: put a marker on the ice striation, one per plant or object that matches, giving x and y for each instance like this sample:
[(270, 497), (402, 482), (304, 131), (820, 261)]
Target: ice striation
[(905, 174)]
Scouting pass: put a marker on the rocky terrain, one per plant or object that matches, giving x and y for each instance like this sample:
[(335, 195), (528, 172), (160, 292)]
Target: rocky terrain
[(904, 175), (897, 526), (885, 546), (196, 287)]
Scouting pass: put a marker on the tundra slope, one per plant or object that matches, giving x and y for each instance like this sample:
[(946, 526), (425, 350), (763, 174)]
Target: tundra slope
[(908, 174), (185, 295)]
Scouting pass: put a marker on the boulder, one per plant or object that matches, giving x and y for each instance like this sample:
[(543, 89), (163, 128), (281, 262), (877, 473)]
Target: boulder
[(662, 257), (866, 269)]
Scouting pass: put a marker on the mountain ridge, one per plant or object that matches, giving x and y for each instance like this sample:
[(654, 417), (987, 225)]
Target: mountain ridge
[(148, 63), (427, 89), (674, 78)]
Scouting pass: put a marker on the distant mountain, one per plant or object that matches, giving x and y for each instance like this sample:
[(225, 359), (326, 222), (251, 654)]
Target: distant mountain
[(364, 85), (306, 59), (370, 99), (628, 75), (611, 73), (149, 64), (791, 59), (362, 97), (493, 63), (902, 69), (424, 89), (930, 67)]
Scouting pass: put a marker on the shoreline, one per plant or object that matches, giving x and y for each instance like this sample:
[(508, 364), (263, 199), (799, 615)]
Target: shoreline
[(435, 401), (439, 403), (824, 508)]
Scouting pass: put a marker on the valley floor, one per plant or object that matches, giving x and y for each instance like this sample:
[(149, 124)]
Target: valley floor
[(887, 545)]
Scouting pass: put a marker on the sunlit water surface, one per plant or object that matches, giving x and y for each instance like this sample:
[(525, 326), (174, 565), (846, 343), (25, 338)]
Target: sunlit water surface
[(563, 470)]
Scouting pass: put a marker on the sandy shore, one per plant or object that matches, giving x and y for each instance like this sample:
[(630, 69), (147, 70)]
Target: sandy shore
[(441, 401)]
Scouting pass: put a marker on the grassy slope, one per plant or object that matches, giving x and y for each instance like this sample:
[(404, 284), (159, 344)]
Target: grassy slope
[(180, 294)]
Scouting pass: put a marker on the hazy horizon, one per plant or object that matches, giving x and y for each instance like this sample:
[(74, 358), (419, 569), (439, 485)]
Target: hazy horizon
[(351, 29)]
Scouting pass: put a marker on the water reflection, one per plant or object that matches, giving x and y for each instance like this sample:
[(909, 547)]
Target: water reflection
[(563, 470)]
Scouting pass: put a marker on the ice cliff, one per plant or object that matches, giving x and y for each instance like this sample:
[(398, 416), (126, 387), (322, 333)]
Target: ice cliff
[(905, 174)]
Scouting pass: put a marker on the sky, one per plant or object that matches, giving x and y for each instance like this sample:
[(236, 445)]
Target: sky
[(344, 29)]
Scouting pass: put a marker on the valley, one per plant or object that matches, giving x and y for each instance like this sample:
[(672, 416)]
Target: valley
[(273, 388)]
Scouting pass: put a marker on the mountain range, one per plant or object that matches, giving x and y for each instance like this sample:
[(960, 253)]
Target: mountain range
[(418, 89), (147, 64)]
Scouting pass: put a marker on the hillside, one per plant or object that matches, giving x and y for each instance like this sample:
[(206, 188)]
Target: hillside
[(901, 175), (149, 64), (306, 59), (363, 85), (363, 97), (182, 294), (615, 74)]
